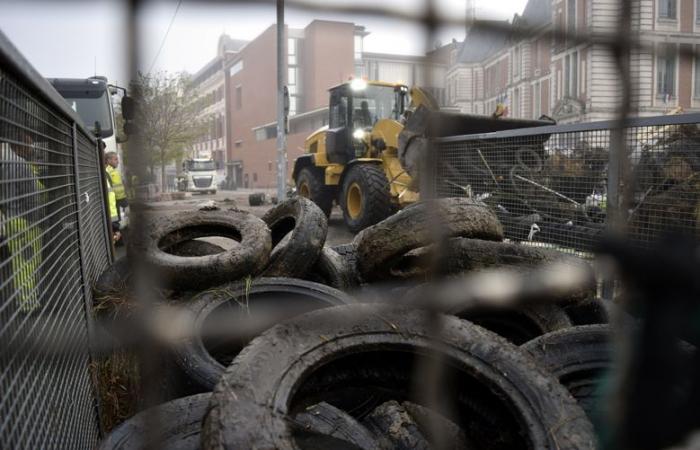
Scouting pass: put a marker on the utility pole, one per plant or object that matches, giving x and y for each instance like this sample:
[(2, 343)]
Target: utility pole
[(281, 113)]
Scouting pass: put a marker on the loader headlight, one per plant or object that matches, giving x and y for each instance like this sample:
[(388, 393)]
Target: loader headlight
[(358, 84), (359, 134)]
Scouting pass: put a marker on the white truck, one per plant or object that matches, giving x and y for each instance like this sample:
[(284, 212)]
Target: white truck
[(198, 175)]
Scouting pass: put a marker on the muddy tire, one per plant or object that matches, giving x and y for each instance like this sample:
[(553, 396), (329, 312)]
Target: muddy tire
[(449, 436), (349, 253), (579, 357), (280, 371), (311, 184), (306, 226), (365, 197), (332, 270), (233, 314), (382, 245), (199, 272), (522, 324), (396, 427), (321, 426), (180, 425)]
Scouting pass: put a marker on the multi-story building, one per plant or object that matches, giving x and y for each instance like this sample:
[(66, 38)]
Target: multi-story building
[(578, 82)]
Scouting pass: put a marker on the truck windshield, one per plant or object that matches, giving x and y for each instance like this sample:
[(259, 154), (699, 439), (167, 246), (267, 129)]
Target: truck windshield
[(201, 166), (376, 102), (93, 107)]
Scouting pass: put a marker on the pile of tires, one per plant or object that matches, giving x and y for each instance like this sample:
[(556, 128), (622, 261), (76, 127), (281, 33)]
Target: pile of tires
[(285, 351)]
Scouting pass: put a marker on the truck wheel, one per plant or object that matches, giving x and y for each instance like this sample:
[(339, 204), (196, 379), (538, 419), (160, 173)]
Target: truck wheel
[(366, 198), (310, 184)]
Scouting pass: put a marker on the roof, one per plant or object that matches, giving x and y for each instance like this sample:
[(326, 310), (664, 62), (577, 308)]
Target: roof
[(537, 13), (482, 41)]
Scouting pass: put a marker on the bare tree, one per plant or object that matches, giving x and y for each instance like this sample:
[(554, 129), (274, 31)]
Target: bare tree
[(168, 117)]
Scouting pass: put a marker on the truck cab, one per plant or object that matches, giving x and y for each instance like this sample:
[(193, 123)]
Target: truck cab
[(198, 175)]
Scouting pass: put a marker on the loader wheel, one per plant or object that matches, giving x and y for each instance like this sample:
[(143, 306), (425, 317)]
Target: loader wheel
[(310, 184), (366, 199)]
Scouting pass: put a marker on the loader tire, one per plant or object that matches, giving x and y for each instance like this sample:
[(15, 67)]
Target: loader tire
[(247, 309), (184, 272), (179, 426), (365, 198), (306, 226), (311, 184), (379, 247), (321, 426), (579, 357), (332, 270), (281, 372)]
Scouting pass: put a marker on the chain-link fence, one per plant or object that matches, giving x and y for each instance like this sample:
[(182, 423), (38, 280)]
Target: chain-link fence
[(552, 185), (53, 245)]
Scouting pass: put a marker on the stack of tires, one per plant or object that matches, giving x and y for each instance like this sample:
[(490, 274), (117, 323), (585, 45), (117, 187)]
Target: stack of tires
[(285, 352)]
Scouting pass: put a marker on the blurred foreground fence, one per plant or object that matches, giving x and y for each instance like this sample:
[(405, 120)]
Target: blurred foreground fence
[(554, 185), (53, 245)]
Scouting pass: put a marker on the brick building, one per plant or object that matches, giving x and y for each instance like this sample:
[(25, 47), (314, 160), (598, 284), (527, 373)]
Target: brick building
[(574, 83)]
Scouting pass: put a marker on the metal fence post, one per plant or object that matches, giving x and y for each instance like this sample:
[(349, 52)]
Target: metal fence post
[(612, 210)]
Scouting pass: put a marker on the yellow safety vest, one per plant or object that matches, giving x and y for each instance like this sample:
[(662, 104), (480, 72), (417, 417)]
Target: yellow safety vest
[(24, 242), (117, 184), (112, 202)]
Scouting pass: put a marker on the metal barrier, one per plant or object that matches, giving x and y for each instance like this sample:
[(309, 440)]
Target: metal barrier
[(53, 245), (553, 185)]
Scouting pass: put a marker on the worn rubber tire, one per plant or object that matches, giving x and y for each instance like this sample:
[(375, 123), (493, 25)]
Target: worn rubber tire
[(181, 272), (180, 426), (272, 376), (318, 192), (520, 325), (332, 270), (322, 420), (256, 199), (375, 194), (579, 357), (381, 245), (397, 429), (306, 226), (450, 437), (349, 253), (192, 355), (589, 311), (115, 279)]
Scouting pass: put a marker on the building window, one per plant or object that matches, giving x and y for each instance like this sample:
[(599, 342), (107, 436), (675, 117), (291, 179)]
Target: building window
[(571, 75), (517, 61), (292, 105), (239, 97), (358, 47), (697, 11), (571, 17), (255, 178), (292, 52), (516, 103), (666, 61), (537, 100), (696, 89), (292, 76), (667, 9), (260, 134)]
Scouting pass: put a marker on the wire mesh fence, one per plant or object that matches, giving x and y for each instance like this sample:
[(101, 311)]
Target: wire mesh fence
[(50, 209)]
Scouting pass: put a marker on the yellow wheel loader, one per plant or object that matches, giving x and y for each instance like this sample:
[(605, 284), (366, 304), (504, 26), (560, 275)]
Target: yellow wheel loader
[(368, 157), (354, 160)]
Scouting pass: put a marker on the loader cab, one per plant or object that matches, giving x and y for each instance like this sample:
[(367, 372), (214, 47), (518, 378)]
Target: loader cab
[(354, 108)]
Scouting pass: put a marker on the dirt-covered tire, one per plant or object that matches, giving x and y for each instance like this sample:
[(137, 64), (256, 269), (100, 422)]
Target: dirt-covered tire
[(440, 432), (380, 246), (365, 197), (280, 371), (396, 427), (180, 424), (522, 324), (579, 357), (306, 226), (310, 184), (233, 314), (349, 253), (589, 311), (321, 426), (332, 270), (199, 272)]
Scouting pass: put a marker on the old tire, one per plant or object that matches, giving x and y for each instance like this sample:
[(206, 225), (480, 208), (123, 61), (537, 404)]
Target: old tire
[(349, 253), (264, 301), (579, 357), (182, 272), (180, 425), (332, 270), (256, 199), (310, 184), (590, 311), (522, 324), (382, 245), (280, 370), (322, 426), (396, 427), (306, 226), (365, 198)]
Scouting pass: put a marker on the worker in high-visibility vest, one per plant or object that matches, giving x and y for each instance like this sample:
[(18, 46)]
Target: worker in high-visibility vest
[(112, 203), (111, 165), (20, 218)]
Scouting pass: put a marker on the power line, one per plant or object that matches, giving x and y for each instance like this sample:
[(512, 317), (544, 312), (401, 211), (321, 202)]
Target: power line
[(165, 37)]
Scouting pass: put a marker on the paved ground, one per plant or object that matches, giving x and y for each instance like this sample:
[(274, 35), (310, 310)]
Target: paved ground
[(337, 233)]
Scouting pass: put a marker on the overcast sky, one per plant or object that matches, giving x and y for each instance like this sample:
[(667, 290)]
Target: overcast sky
[(72, 39)]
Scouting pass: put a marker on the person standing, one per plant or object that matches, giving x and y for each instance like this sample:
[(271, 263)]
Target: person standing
[(111, 165)]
